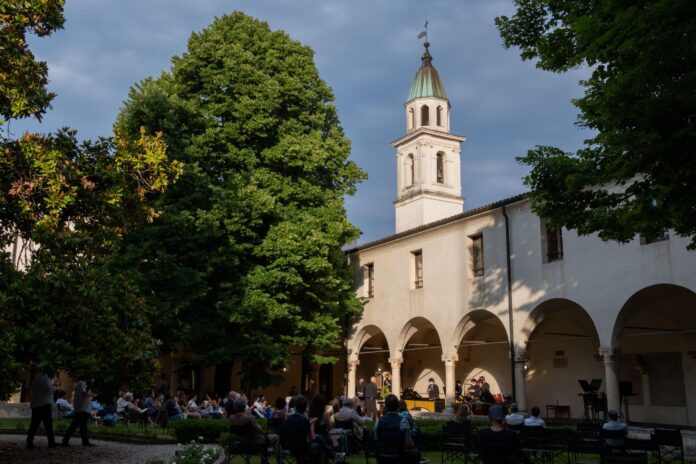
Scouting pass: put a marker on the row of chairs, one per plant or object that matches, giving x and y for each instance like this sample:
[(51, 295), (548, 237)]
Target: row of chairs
[(541, 446)]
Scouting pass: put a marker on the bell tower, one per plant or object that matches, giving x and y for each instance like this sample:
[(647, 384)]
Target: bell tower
[(428, 156)]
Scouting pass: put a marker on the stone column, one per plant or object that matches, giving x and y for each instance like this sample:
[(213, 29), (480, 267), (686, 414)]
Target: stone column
[(353, 363), (450, 366), (611, 379), (396, 375), (520, 379)]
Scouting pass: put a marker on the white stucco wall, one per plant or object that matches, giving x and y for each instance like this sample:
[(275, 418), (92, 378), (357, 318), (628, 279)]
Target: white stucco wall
[(597, 276)]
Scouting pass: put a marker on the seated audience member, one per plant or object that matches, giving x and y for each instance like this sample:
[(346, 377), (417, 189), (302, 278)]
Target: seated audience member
[(320, 420), (279, 415), (189, 414), (613, 424), (171, 407), (463, 418), (121, 403), (347, 413), (393, 429), (412, 434), (497, 444), (259, 407), (131, 409), (192, 404), (515, 418), (297, 432), (65, 409), (248, 432), (534, 420)]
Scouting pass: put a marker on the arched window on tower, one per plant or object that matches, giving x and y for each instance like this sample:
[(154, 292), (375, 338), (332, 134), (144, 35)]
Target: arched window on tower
[(410, 171), (411, 119), (425, 115), (440, 168), (438, 116)]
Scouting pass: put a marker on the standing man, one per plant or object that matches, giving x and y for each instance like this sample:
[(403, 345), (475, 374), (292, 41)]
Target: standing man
[(83, 409), (433, 390), (42, 390), (371, 394)]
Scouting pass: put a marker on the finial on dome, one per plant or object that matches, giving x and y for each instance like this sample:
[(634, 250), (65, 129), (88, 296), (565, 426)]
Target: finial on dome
[(427, 57)]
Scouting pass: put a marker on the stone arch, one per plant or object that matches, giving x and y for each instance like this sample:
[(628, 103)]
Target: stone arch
[(481, 342), (363, 335), (651, 301), (419, 346), (559, 345), (655, 340), (555, 308)]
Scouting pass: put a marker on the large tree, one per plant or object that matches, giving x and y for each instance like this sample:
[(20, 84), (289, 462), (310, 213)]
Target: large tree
[(245, 263), (64, 206), (637, 174)]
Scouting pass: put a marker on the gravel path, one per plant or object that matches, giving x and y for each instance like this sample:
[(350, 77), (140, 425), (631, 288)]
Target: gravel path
[(12, 450)]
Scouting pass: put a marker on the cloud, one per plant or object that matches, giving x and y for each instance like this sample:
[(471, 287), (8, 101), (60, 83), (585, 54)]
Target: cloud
[(367, 52)]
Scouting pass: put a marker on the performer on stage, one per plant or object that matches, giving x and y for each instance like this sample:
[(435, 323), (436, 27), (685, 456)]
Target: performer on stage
[(474, 390), (485, 394), (433, 390), (458, 390)]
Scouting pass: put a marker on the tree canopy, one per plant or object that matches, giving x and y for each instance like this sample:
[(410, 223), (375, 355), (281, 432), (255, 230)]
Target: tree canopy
[(64, 207), (245, 263), (637, 174)]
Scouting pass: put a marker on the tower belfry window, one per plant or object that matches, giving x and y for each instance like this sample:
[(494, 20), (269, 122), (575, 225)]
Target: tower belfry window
[(410, 170), (440, 168), (425, 115), (438, 114)]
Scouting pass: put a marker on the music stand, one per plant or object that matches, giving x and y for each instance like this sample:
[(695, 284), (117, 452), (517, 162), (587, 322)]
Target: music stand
[(625, 392)]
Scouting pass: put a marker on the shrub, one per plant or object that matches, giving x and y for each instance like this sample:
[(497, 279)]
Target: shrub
[(203, 430)]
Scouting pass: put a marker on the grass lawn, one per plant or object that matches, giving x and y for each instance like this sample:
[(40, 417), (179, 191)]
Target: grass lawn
[(60, 425)]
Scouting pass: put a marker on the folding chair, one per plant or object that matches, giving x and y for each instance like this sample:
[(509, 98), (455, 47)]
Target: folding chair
[(670, 447), (457, 443)]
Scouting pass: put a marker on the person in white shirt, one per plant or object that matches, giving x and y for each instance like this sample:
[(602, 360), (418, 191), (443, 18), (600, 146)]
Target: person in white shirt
[(65, 409), (192, 404), (613, 422), (83, 411), (514, 418), (534, 420), (41, 403)]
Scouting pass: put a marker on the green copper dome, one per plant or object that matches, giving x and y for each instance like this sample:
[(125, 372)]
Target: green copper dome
[(426, 82)]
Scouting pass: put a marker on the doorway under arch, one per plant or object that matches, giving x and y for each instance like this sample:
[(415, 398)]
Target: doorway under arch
[(421, 351)]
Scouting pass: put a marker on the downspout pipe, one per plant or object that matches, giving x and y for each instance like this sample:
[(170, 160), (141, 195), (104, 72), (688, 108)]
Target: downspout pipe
[(509, 298)]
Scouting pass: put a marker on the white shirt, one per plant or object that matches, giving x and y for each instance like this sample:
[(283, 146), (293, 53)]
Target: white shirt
[(515, 418), (614, 425), (64, 407), (41, 391), (192, 406), (534, 422), (82, 399)]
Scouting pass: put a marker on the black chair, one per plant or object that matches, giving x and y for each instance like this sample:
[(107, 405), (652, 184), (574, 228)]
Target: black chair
[(237, 448), (577, 447), (670, 446), (383, 451), (354, 443), (457, 443), (613, 441), (538, 446), (640, 458), (589, 429)]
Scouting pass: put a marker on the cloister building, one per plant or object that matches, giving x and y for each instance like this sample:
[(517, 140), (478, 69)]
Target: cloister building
[(493, 291)]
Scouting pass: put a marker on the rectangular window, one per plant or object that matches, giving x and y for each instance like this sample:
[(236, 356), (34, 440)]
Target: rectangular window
[(554, 243), (418, 268), (370, 279), (477, 254)]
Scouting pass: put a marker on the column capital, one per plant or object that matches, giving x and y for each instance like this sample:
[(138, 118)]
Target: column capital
[(451, 358), (353, 360), (608, 353), (396, 361)]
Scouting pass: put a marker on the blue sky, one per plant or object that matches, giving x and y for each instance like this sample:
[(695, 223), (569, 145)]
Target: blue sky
[(368, 53)]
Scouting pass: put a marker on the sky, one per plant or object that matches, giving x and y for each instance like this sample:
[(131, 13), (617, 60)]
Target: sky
[(366, 50)]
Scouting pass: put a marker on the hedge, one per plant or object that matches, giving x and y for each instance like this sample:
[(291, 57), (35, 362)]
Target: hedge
[(200, 430)]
